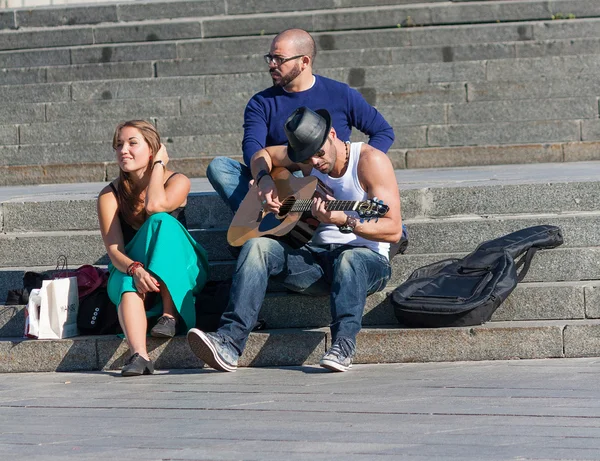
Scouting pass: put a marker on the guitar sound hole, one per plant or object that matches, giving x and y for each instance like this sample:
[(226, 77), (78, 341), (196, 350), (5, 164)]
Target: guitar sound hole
[(286, 207)]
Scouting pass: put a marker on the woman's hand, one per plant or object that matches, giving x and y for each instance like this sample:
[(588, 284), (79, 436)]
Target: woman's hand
[(144, 282), (161, 155)]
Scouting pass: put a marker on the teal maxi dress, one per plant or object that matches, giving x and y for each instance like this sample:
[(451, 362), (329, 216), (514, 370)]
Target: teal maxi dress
[(170, 254)]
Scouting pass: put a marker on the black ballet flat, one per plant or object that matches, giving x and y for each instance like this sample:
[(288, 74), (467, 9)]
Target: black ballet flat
[(137, 365)]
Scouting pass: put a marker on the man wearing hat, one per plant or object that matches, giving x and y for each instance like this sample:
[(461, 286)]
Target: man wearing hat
[(347, 258)]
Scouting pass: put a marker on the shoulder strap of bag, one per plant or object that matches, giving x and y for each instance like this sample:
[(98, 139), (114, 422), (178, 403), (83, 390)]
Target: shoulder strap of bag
[(525, 262)]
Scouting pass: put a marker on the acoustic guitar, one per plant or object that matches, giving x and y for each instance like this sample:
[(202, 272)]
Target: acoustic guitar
[(294, 217)]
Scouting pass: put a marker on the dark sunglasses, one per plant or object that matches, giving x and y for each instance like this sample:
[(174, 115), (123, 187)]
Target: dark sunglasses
[(278, 60), (318, 154)]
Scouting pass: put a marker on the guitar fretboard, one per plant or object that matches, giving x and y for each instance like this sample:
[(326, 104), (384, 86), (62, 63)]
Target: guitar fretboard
[(332, 205)]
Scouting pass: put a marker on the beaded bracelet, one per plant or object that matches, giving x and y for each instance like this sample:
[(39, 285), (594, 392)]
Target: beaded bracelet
[(134, 266)]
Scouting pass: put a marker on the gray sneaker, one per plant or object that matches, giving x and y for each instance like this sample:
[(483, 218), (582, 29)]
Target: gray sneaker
[(339, 356), (213, 350)]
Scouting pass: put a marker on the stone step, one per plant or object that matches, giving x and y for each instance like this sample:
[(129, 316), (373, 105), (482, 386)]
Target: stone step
[(426, 237), (492, 341), (475, 192), (529, 301), (70, 15), (197, 152)]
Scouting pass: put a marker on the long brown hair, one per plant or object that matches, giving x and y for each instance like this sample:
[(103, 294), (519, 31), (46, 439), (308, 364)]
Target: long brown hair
[(129, 197)]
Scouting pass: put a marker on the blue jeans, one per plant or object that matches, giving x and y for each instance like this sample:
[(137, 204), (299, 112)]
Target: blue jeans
[(230, 179), (348, 274)]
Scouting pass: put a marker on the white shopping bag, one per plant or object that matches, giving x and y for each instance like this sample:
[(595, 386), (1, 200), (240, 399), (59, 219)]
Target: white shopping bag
[(58, 309), (32, 314)]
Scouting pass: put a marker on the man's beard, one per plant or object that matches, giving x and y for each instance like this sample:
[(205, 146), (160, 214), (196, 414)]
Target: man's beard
[(286, 79)]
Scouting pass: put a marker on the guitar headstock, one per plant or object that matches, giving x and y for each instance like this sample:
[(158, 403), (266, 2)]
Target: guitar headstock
[(372, 208)]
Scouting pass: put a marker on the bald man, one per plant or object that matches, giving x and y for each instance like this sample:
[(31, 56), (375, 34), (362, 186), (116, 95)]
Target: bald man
[(290, 62)]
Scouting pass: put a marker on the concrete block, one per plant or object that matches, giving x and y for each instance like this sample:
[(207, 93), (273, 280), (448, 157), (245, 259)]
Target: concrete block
[(208, 65), (592, 301), (132, 70), (207, 211), (25, 355), (224, 47), (508, 199), (483, 155), (256, 25), (283, 348), (142, 11), (415, 93), (409, 136), (512, 111), (544, 67), (172, 353), (365, 18), (582, 28), (590, 130), (422, 114), (237, 83), (119, 53), (558, 47), (582, 339), (498, 341), (276, 6), (15, 40), (66, 16), (48, 154), (560, 264), (471, 33), (138, 88), (83, 247), (465, 13), (503, 133), (22, 113), (465, 233), (537, 301), (204, 124), (35, 58), (12, 321), (22, 76), (51, 92), (209, 145), (51, 174), (53, 215), (580, 8), (154, 32), (9, 134), (576, 86), (8, 20), (56, 132), (113, 109), (197, 105), (581, 151)]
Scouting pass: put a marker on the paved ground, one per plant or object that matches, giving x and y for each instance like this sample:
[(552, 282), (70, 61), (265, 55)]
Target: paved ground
[(514, 410)]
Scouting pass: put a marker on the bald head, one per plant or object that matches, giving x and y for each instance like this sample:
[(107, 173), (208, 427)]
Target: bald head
[(300, 41)]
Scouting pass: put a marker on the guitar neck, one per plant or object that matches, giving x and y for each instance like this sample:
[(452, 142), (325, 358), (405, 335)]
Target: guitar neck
[(331, 205)]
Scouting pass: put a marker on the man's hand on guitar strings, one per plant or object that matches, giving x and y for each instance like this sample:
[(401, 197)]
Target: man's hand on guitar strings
[(319, 211)]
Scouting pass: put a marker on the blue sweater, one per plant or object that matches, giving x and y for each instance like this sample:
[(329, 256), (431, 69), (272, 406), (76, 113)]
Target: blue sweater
[(268, 110)]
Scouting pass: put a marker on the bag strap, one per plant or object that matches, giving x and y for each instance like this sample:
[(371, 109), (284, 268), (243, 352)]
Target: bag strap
[(525, 261)]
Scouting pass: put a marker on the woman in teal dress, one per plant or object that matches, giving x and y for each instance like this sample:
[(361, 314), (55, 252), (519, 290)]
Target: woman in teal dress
[(156, 267)]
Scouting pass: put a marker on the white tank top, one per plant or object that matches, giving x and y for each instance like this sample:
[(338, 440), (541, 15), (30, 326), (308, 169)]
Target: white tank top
[(346, 188)]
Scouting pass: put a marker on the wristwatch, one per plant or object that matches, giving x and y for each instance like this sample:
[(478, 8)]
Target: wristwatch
[(348, 226), (161, 163), (261, 174)]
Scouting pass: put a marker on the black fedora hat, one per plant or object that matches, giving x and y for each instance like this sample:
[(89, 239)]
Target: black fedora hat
[(306, 131)]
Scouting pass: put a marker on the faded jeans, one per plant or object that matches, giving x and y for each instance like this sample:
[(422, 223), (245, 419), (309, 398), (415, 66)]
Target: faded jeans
[(348, 274)]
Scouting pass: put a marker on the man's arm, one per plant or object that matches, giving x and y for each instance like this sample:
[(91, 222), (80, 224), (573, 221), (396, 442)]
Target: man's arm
[(368, 120), (377, 178), (255, 129)]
